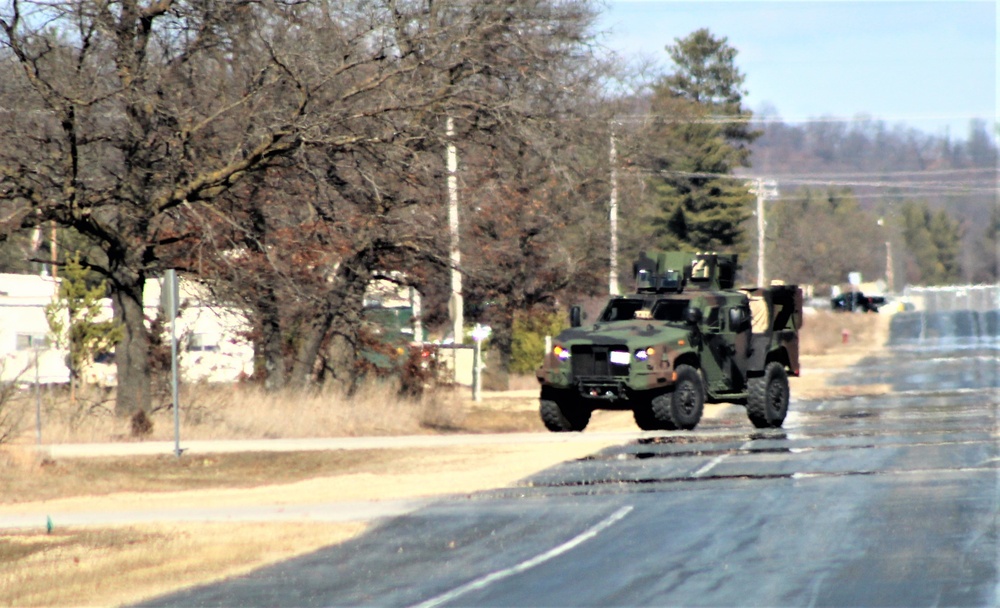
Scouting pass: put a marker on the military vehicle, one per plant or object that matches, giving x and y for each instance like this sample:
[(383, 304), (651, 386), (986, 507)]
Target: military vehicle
[(684, 338)]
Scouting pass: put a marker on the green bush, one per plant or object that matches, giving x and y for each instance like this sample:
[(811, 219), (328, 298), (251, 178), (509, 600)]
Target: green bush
[(528, 345)]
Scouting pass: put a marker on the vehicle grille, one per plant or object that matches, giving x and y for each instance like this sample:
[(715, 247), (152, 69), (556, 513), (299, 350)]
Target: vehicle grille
[(594, 361)]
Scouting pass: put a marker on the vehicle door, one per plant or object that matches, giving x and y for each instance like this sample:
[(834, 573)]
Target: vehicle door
[(727, 337)]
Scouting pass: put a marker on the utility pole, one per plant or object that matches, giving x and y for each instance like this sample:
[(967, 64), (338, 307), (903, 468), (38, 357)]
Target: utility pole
[(53, 248), (888, 267), (763, 189), (456, 304), (613, 217), (888, 259)]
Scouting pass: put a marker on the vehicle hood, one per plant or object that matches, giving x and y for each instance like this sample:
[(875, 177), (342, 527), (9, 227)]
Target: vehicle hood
[(635, 332)]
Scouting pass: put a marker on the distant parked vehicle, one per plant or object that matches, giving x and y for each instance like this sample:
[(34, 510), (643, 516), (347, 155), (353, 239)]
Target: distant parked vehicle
[(855, 301)]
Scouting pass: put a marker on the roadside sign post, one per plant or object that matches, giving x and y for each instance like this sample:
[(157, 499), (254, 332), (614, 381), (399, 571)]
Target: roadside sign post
[(172, 296), (38, 402), (479, 333)]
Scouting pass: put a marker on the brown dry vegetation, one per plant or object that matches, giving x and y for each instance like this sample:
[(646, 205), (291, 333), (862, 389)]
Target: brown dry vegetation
[(822, 333), (107, 567), (111, 566), (244, 411)]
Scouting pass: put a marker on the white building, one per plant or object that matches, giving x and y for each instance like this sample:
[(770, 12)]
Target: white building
[(211, 342), (24, 331)]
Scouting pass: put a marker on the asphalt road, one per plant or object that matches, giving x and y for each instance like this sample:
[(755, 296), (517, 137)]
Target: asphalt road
[(867, 501)]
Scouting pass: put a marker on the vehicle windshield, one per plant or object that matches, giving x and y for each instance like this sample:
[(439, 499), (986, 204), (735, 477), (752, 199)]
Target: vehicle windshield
[(670, 310), (621, 309)]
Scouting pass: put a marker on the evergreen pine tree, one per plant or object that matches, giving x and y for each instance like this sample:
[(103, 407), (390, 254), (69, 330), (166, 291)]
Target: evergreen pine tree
[(947, 236), (75, 317), (988, 267), (700, 136), (933, 241)]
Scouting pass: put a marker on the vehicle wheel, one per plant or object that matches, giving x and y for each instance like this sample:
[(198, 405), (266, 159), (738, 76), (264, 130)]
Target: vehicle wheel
[(767, 401), (561, 416), (646, 420), (682, 407)]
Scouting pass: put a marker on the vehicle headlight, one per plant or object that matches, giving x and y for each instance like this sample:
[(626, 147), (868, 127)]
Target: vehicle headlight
[(644, 353), (561, 353), (619, 357)]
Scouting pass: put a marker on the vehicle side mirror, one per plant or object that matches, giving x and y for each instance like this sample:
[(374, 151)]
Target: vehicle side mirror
[(575, 316), (692, 316), (738, 320)]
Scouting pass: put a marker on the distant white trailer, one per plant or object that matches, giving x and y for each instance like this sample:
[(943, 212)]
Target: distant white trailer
[(211, 342), (26, 352)]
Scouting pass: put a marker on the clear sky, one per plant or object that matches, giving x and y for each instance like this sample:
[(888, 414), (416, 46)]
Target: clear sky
[(925, 64)]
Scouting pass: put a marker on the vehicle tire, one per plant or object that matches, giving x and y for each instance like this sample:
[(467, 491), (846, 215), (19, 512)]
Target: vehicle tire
[(646, 420), (682, 407), (561, 416), (767, 399)]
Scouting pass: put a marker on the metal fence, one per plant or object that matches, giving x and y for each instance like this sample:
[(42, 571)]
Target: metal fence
[(980, 298)]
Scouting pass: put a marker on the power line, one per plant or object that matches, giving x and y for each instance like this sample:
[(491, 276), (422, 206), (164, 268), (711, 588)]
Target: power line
[(933, 186), (881, 196), (725, 118), (915, 172), (919, 186)]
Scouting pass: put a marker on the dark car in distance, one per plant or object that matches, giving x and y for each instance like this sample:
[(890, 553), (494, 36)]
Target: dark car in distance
[(855, 301)]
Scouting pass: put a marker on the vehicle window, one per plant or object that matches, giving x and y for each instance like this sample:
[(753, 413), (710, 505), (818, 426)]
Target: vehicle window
[(670, 310), (712, 321), (621, 310)]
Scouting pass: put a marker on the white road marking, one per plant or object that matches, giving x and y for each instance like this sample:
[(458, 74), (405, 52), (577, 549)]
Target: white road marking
[(489, 579), (711, 464)]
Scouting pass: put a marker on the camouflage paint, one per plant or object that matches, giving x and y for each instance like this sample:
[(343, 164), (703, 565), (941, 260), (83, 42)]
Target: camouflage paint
[(724, 344)]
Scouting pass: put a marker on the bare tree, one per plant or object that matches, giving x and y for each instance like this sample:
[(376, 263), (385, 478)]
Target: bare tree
[(140, 122), (514, 77), (127, 112)]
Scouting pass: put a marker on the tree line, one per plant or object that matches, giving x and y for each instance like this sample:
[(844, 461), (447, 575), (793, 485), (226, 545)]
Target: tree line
[(930, 199)]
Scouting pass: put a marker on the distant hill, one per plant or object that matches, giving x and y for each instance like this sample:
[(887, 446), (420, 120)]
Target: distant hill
[(885, 166), (867, 147)]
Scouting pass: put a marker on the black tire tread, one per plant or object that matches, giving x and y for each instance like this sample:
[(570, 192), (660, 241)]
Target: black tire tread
[(667, 408), (645, 419), (759, 407), (559, 419)]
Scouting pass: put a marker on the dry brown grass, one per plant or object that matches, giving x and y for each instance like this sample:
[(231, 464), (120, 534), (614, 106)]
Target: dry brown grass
[(27, 478), (824, 353), (822, 332), (110, 567), (246, 412)]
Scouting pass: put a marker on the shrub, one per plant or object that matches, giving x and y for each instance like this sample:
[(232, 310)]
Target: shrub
[(11, 406), (141, 425), (528, 344)]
